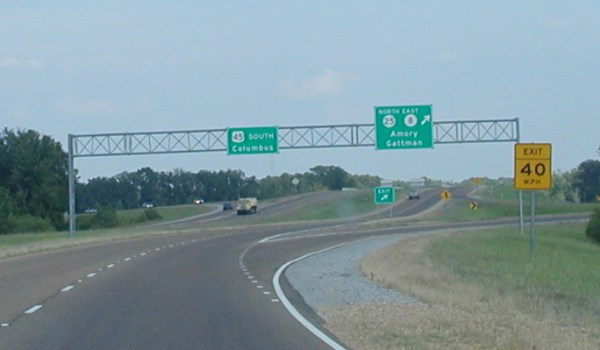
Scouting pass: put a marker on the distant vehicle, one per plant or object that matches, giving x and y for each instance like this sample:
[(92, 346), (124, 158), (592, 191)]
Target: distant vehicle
[(198, 201), (227, 206), (147, 205), (90, 210), (248, 205), (414, 194)]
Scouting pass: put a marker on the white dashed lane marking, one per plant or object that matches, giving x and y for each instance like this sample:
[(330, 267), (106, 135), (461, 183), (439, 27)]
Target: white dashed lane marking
[(33, 309), (67, 288), (36, 308)]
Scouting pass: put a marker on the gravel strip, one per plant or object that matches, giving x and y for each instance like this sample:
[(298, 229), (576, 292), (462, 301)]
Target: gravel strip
[(332, 278)]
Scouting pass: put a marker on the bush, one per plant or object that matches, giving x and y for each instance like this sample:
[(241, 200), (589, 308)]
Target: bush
[(28, 224), (106, 218), (103, 218), (150, 214), (7, 224), (85, 222), (593, 228)]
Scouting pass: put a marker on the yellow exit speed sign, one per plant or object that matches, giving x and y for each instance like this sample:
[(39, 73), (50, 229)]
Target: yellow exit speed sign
[(533, 170)]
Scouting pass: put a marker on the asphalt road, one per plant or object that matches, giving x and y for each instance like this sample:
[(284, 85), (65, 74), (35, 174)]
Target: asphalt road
[(184, 291), (162, 293), (210, 289)]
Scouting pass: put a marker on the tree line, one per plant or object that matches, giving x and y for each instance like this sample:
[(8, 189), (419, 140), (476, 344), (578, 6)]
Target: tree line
[(132, 189), (34, 184)]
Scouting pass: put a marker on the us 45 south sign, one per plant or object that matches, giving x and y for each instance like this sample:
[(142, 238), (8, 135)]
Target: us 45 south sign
[(257, 140)]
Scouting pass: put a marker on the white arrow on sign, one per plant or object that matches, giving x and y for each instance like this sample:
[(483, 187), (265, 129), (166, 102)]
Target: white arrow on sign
[(426, 119)]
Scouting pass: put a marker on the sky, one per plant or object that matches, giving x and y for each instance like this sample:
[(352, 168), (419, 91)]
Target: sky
[(95, 67)]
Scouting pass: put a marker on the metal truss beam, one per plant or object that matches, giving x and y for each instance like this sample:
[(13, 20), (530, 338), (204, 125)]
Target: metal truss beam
[(477, 131), (295, 137)]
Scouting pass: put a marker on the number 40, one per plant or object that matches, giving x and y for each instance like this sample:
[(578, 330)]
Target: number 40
[(539, 169)]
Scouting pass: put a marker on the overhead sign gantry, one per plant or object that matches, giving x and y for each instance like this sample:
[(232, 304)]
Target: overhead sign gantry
[(291, 137)]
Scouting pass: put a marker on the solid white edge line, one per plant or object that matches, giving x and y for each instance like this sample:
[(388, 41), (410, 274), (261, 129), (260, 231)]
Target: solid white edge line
[(292, 310)]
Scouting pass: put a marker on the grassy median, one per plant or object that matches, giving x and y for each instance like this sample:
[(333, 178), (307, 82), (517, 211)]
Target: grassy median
[(24, 243)]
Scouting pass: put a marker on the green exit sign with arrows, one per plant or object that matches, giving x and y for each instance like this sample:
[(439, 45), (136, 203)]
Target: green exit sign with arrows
[(403, 127), (384, 195)]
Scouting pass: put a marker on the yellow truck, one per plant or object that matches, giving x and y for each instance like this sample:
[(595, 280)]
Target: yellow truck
[(248, 205)]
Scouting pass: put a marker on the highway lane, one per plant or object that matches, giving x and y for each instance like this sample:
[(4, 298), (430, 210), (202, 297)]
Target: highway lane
[(282, 208), (180, 294), (269, 211), (209, 289), (41, 288), (27, 280)]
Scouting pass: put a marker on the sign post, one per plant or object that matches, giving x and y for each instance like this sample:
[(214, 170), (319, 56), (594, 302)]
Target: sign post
[(256, 140), (533, 171), (403, 127)]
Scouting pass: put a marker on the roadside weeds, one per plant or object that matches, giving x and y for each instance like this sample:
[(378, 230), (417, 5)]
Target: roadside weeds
[(453, 314)]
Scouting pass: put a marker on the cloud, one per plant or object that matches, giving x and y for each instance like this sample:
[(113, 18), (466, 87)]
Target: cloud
[(11, 62), (324, 84)]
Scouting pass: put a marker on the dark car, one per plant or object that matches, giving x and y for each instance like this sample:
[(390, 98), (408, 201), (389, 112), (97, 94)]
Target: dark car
[(414, 194), (227, 206)]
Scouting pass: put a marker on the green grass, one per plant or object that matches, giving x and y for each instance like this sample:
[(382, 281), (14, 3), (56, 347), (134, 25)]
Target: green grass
[(507, 195), (460, 210), (564, 271), (354, 203), (11, 240), (167, 213), (482, 289), (19, 243), (357, 203)]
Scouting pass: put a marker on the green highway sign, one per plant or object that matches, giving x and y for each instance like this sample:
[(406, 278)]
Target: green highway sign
[(257, 140), (403, 127), (384, 195)]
